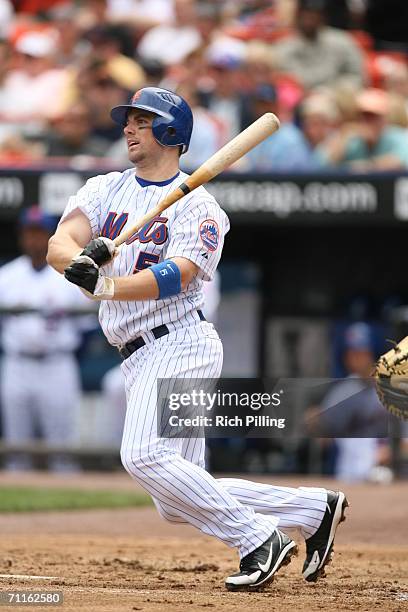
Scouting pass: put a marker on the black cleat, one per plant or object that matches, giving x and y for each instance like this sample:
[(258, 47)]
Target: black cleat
[(259, 567), (319, 547)]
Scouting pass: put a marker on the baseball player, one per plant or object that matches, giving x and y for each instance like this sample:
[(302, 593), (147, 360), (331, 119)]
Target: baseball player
[(38, 348), (151, 300)]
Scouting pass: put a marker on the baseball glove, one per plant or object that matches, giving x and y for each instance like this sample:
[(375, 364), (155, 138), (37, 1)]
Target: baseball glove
[(391, 379)]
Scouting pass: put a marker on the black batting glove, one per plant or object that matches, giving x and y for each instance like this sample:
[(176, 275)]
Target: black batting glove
[(100, 250), (83, 272)]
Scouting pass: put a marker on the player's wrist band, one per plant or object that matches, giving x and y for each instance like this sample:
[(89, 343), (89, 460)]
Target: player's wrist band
[(168, 278)]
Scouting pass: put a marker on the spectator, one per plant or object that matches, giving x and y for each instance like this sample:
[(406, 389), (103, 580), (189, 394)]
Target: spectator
[(101, 92), (259, 63), (316, 54), (171, 44), (108, 45), (38, 348), (351, 408), (224, 98), (154, 72), (36, 7), (15, 148), (6, 17), (143, 14), (386, 21), (72, 46), (396, 78), (319, 117), (37, 89), (70, 134), (287, 150), (398, 111), (208, 131), (370, 143), (260, 69), (4, 70), (92, 13)]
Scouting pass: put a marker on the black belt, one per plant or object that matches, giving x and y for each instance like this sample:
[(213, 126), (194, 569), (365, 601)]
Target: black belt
[(39, 356), (158, 332)]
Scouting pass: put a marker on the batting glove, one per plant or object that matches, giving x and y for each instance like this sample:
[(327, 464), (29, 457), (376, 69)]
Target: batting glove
[(100, 250), (84, 272)]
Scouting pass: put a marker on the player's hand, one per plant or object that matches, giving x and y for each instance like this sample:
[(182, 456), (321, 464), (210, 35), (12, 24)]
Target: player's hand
[(84, 273), (100, 250)]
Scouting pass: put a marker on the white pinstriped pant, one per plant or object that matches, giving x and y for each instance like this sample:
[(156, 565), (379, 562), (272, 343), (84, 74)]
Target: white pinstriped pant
[(241, 513)]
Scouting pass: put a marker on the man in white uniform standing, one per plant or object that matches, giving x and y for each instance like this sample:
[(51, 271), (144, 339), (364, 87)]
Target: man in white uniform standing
[(151, 300), (40, 386)]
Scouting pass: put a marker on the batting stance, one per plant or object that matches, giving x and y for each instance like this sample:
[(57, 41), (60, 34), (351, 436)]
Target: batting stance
[(151, 300)]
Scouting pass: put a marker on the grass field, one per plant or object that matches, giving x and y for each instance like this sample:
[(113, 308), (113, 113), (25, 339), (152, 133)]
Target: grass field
[(29, 499)]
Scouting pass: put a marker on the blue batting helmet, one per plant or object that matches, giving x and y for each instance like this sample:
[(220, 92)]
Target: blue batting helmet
[(173, 123)]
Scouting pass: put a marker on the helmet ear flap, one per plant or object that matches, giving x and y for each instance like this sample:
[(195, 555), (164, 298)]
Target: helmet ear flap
[(167, 135)]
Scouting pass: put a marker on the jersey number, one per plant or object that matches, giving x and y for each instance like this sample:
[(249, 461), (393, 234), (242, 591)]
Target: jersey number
[(145, 260)]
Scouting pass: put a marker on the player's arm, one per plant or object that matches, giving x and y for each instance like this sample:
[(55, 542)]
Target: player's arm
[(160, 281), (73, 239), (146, 285), (69, 239)]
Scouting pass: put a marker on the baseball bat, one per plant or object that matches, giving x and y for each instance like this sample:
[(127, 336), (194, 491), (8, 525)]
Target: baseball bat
[(258, 131)]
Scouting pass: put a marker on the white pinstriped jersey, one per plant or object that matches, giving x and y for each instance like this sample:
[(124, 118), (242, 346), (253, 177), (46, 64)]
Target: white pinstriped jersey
[(193, 228), (49, 330)]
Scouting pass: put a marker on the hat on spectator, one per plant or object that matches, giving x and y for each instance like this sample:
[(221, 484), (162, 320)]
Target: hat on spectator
[(358, 337), (34, 216), (266, 93), (226, 53), (319, 105), (375, 101), (36, 44)]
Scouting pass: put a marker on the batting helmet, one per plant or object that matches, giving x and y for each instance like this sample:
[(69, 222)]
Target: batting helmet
[(173, 123)]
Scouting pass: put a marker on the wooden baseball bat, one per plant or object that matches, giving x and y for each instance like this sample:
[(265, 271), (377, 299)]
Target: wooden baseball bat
[(258, 131)]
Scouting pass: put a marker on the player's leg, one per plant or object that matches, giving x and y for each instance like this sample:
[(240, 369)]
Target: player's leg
[(193, 450), (17, 407), (187, 490), (59, 400), (316, 512), (300, 508), (157, 462)]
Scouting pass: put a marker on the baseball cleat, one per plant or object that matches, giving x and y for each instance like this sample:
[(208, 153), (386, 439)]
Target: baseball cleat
[(258, 568), (319, 547)]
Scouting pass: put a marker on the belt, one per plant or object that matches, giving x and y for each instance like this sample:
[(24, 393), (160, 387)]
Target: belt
[(39, 356), (130, 347)]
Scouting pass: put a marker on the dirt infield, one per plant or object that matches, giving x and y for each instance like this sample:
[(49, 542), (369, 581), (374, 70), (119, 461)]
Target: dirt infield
[(132, 560)]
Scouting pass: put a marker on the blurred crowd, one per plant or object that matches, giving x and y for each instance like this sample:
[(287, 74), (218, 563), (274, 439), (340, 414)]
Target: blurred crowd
[(335, 72)]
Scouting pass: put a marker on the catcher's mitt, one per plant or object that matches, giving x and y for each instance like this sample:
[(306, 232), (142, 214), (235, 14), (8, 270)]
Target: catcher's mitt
[(391, 379)]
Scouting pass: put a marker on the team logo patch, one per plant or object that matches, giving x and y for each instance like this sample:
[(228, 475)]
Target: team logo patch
[(209, 234), (136, 95)]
